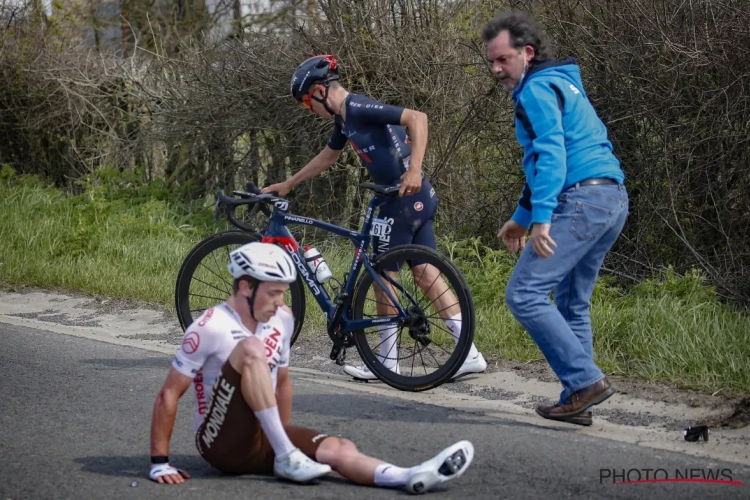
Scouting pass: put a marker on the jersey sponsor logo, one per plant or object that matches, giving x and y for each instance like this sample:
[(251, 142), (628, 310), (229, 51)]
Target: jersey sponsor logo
[(207, 316), (384, 239), (418, 206), (366, 106), (200, 393), (361, 152), (238, 334), (218, 412), (191, 342), (272, 347), (432, 192)]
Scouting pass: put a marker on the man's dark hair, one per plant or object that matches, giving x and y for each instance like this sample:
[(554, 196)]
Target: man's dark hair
[(523, 30), (236, 285)]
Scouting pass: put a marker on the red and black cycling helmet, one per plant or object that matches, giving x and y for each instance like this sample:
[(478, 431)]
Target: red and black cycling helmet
[(319, 69)]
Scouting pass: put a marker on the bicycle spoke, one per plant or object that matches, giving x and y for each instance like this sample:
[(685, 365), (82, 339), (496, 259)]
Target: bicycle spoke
[(217, 267), (438, 326), (437, 363), (413, 357), (423, 366), (427, 292), (442, 348), (212, 286), (218, 276), (205, 297), (387, 304), (441, 310)]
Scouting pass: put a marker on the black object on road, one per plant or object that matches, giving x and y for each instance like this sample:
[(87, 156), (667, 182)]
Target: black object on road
[(693, 434)]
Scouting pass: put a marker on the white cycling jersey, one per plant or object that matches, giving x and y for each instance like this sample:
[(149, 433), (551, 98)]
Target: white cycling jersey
[(210, 339)]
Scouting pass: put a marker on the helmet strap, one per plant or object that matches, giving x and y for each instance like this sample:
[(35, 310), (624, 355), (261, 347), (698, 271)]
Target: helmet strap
[(324, 101), (251, 300)]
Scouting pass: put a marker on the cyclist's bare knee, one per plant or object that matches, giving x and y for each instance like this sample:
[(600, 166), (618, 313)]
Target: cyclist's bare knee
[(336, 451), (246, 352), (425, 275)]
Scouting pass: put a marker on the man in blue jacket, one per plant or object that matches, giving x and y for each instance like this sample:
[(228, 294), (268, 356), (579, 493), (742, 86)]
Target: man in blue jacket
[(574, 201)]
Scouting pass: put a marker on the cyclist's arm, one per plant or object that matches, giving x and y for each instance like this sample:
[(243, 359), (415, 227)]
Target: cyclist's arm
[(416, 123), (284, 396), (322, 162), (165, 411)]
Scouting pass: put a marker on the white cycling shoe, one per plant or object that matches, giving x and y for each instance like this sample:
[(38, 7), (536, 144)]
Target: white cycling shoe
[(446, 465), (477, 364), (363, 373), (298, 467)]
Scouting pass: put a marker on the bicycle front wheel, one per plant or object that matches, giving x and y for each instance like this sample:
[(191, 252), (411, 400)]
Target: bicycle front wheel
[(428, 349), (204, 281)]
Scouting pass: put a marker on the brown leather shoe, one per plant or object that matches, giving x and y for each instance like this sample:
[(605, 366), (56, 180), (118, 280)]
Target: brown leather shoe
[(577, 403), (586, 418)]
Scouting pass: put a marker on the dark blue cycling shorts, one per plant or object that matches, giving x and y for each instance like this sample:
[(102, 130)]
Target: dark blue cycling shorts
[(407, 219)]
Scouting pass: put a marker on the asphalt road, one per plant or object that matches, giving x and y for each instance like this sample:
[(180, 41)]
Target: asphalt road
[(75, 416)]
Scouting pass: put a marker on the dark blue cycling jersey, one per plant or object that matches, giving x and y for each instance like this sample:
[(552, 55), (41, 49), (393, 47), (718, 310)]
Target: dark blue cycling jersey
[(375, 133)]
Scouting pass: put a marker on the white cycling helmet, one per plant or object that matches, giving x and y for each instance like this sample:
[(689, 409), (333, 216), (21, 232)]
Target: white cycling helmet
[(262, 261)]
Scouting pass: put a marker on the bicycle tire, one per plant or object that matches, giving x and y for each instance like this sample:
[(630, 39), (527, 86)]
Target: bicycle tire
[(450, 272), (205, 247)]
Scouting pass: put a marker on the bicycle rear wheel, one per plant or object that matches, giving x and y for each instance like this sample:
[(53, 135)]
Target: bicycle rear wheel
[(204, 281), (426, 351)]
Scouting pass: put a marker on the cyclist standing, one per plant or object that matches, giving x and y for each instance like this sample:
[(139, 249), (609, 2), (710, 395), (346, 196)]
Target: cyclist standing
[(376, 132), (236, 357)]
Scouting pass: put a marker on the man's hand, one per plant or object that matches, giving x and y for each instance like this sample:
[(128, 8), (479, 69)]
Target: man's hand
[(513, 236), (282, 188), (166, 474), (411, 182), (541, 240)]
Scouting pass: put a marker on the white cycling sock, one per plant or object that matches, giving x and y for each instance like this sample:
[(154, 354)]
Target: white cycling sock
[(390, 476), (388, 348), (270, 422), (454, 325)]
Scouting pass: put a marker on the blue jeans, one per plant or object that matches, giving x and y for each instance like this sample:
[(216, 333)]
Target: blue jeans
[(585, 225)]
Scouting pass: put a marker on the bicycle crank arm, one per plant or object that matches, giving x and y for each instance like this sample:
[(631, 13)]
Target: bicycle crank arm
[(338, 354)]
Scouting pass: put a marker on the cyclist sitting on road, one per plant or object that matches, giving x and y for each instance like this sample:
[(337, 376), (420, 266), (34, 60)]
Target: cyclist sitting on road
[(236, 355), (376, 132)]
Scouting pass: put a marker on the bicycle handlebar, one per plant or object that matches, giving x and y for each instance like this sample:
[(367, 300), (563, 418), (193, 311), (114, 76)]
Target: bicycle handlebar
[(254, 197)]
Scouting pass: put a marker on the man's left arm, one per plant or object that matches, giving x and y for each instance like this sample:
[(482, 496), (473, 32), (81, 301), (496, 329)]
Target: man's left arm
[(284, 396), (416, 123), (283, 383), (540, 102)]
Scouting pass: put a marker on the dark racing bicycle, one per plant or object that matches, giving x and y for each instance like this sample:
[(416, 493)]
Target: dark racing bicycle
[(427, 352)]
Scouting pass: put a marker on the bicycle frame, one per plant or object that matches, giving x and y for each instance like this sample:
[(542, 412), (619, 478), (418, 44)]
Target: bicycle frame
[(277, 232)]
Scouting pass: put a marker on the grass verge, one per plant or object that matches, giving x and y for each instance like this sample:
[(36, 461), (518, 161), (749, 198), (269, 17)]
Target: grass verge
[(123, 239)]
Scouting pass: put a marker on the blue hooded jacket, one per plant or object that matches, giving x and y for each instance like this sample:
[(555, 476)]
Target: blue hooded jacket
[(564, 140)]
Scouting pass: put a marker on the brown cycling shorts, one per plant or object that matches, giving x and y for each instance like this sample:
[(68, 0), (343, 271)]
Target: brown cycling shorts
[(231, 439)]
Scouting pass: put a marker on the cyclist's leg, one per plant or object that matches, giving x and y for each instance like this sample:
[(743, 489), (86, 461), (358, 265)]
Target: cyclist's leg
[(243, 409), (429, 280), (401, 232), (344, 457)]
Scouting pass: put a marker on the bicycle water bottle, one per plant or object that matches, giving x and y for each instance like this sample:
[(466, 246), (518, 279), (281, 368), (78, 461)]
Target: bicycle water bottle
[(317, 264)]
